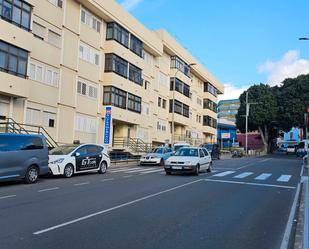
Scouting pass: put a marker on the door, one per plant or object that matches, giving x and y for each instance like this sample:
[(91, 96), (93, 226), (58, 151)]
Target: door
[(4, 110), (202, 158), (207, 157), (87, 157)]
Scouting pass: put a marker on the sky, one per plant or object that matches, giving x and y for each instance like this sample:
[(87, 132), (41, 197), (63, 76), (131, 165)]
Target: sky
[(241, 42)]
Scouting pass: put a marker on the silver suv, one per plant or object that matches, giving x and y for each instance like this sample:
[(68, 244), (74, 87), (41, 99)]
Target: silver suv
[(23, 156)]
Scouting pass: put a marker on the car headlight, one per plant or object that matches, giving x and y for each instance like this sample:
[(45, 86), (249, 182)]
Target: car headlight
[(60, 160)]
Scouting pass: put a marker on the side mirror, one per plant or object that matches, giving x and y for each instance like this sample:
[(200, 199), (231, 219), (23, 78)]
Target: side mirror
[(77, 154)]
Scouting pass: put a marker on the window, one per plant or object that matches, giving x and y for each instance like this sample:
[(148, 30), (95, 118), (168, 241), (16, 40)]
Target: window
[(163, 80), (161, 125), (146, 84), (209, 121), (85, 124), (90, 20), (208, 104), (114, 96), (13, 60), (87, 89), (164, 103), (176, 62), (180, 87), (136, 45), (145, 109), (114, 63), (15, 143), (17, 12), (117, 33), (33, 116), (89, 54), (49, 119), (148, 58), (159, 101), (57, 3), (198, 101), (38, 30), (43, 73), (135, 74), (134, 103), (210, 88), (179, 108), (54, 38)]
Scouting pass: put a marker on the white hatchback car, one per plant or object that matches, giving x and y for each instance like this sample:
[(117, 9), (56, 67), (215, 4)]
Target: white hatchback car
[(72, 159), (189, 160)]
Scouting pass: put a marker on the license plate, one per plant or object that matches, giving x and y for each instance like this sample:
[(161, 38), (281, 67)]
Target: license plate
[(176, 167)]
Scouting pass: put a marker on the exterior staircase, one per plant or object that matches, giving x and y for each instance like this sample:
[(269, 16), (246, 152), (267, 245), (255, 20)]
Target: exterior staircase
[(9, 125), (134, 145)]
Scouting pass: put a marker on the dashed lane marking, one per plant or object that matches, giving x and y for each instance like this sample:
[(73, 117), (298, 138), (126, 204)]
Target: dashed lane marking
[(7, 196), (48, 189), (82, 183), (284, 178)]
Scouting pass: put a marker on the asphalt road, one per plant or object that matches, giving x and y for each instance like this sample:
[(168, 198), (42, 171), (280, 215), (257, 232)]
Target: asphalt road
[(243, 204)]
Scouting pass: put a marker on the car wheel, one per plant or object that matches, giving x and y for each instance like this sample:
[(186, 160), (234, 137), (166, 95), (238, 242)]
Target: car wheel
[(210, 167), (103, 167), (68, 171), (197, 170), (161, 162), (32, 175)]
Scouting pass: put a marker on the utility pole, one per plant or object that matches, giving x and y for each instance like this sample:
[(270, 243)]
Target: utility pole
[(247, 114)]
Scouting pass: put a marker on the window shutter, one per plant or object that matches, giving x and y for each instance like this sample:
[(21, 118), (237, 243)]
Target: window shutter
[(60, 3)]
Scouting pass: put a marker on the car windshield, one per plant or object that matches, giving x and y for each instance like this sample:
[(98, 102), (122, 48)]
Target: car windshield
[(158, 150), (62, 150), (177, 147), (187, 152), (208, 146)]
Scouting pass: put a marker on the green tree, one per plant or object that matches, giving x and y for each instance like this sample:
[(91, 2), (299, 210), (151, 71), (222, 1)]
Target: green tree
[(262, 115), (293, 99)]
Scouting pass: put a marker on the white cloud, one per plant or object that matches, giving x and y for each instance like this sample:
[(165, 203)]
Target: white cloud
[(130, 4), (232, 92), (290, 66)]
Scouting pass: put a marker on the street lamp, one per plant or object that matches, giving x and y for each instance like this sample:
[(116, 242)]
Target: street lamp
[(173, 102)]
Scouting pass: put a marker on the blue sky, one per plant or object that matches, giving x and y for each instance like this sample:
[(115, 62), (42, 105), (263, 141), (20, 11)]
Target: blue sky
[(241, 42)]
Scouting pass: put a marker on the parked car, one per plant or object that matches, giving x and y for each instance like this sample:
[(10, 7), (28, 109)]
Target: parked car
[(67, 160), (302, 149), (290, 149), (189, 160), (179, 145), (214, 150), (23, 156), (156, 157)]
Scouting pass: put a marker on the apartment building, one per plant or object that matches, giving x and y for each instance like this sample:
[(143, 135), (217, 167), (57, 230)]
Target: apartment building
[(63, 61)]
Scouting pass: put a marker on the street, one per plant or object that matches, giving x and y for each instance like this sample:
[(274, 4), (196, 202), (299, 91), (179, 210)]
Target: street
[(244, 203)]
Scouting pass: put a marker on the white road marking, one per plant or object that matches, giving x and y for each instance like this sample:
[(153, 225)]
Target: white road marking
[(225, 173), (7, 196), (82, 183), (284, 178), (121, 170), (127, 176), (48, 189), (263, 176), (114, 208), (265, 160), (289, 225), (250, 183), (243, 175), (108, 179), (151, 171), (138, 170)]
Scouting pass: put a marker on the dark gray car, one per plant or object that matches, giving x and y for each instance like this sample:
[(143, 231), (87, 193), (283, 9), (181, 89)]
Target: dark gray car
[(23, 156)]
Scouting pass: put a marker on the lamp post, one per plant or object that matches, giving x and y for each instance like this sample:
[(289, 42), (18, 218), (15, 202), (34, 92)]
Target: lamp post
[(173, 102)]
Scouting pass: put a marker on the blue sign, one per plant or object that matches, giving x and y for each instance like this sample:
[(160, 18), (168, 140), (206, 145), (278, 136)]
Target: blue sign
[(107, 124)]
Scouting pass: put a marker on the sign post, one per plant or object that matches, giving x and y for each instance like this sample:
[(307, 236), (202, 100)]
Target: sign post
[(107, 124)]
